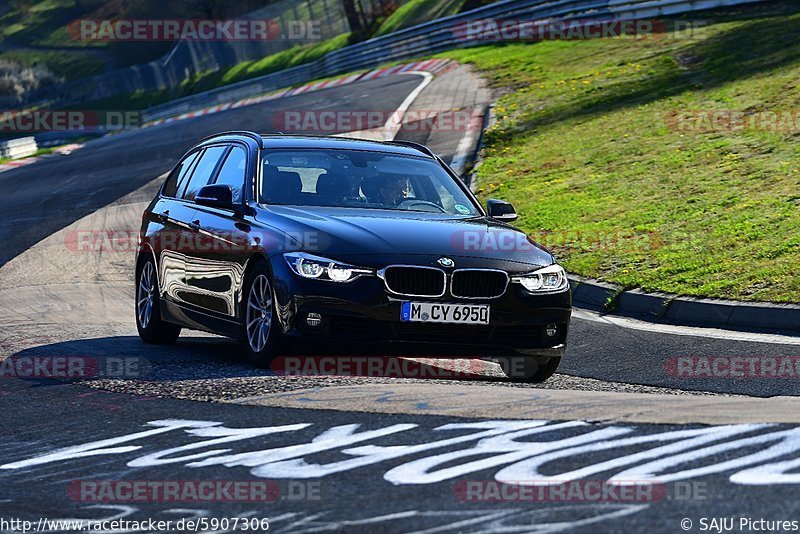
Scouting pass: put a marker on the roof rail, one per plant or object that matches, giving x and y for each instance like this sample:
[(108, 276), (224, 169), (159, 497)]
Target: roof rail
[(411, 144), (246, 133)]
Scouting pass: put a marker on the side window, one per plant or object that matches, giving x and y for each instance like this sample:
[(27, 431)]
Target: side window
[(203, 171), (232, 172), (178, 174)]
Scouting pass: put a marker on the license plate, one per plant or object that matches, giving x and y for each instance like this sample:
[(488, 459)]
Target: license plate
[(429, 312)]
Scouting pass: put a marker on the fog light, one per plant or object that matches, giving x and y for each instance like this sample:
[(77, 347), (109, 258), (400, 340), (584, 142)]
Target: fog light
[(551, 330), (313, 320)]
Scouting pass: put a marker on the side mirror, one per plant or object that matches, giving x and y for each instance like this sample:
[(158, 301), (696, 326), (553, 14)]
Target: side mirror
[(216, 196), (501, 210)]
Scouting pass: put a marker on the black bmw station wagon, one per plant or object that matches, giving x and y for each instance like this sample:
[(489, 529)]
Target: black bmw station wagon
[(277, 240)]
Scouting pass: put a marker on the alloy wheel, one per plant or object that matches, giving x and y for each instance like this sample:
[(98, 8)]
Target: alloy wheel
[(259, 313), (145, 295)]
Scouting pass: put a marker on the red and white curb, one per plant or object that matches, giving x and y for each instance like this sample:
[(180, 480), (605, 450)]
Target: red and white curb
[(15, 164), (433, 66)]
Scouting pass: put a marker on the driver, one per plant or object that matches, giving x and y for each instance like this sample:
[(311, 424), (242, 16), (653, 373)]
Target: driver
[(394, 189)]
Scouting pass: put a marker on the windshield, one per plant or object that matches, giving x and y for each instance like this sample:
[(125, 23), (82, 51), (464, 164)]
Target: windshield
[(355, 178)]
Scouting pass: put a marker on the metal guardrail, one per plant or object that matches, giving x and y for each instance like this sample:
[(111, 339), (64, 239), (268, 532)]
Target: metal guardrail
[(18, 148), (433, 37)]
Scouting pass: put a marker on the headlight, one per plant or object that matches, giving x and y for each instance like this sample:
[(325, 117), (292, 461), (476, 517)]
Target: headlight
[(308, 266), (546, 280)]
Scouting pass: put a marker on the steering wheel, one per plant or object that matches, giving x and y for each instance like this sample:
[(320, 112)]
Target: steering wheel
[(409, 203)]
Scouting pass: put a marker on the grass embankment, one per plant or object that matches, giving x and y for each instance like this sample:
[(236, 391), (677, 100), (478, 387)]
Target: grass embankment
[(582, 148), (205, 81), (415, 12), (68, 65), (285, 59), (42, 23)]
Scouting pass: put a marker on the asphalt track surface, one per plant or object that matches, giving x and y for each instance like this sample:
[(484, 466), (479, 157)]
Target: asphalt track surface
[(384, 495), (380, 493)]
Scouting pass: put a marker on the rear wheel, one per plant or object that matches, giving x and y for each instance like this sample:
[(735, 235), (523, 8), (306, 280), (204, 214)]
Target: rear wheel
[(529, 368), (260, 333), (152, 329)]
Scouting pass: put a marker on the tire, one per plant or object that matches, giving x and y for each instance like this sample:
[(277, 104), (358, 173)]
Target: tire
[(147, 307), (530, 369), (260, 331)]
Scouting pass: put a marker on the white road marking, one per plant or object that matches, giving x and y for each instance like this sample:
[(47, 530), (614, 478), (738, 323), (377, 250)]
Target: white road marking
[(389, 130), (692, 331), (394, 123), (467, 143), (753, 454)]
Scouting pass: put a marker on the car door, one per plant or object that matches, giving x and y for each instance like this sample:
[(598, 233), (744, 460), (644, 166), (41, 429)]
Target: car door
[(189, 242), (225, 234), (170, 216)]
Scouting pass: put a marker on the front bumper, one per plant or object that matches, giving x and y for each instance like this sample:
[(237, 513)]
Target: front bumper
[(363, 313)]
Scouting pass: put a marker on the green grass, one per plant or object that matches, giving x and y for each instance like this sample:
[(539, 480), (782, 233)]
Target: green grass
[(44, 24), (40, 152), (285, 59), (582, 148), (416, 12), (68, 65)]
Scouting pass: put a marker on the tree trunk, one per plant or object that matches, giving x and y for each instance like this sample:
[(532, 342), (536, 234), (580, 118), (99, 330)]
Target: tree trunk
[(353, 13)]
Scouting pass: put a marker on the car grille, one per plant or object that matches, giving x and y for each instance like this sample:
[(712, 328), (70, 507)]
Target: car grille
[(414, 281), (476, 283)]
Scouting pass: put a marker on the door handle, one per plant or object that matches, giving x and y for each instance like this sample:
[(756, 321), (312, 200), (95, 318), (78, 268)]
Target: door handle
[(163, 217), (195, 224)]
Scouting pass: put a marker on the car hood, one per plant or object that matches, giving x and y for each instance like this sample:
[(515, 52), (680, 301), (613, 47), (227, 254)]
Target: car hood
[(363, 236)]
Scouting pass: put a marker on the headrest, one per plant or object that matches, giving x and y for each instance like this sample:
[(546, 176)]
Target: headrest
[(281, 186), (332, 185), (290, 181), (270, 171), (371, 186)]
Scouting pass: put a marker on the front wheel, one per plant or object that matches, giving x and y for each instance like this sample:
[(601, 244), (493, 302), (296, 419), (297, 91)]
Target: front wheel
[(260, 331), (152, 329), (529, 368)]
